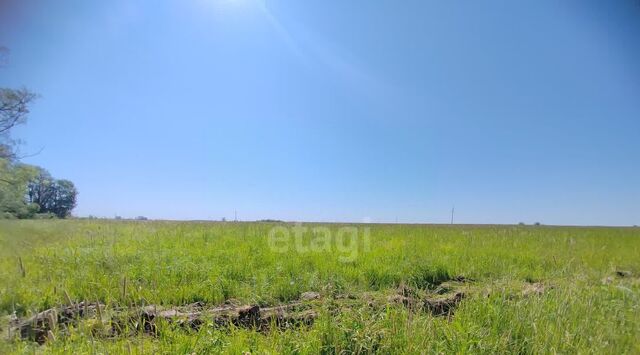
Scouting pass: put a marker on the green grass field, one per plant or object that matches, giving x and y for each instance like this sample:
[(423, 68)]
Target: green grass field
[(579, 304)]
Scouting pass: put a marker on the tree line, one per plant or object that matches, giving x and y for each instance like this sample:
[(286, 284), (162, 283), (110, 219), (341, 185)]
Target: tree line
[(27, 191)]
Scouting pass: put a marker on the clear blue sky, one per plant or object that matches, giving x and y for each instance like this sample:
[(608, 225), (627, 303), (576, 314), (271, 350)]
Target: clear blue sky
[(335, 110)]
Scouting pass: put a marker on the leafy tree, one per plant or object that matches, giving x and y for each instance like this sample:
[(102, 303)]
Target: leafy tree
[(14, 178), (51, 195), (41, 189), (14, 108), (13, 175), (65, 198), (26, 190)]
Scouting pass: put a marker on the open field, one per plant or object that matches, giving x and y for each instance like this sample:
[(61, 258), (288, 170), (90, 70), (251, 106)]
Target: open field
[(363, 288)]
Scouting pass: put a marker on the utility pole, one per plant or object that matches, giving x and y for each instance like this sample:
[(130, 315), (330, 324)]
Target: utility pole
[(236, 215), (453, 209)]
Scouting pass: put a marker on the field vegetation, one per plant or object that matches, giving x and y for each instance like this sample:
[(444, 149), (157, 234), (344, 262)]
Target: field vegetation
[(520, 289)]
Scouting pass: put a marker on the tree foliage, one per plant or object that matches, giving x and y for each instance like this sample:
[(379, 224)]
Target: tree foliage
[(51, 195), (14, 179), (14, 108), (25, 190)]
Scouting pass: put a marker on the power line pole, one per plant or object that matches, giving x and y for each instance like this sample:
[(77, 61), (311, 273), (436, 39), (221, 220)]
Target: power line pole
[(453, 209), (236, 215)]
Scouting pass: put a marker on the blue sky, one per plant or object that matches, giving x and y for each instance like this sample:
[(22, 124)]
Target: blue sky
[(335, 110)]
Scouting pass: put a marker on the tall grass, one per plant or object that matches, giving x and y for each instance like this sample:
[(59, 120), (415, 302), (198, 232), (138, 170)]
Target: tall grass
[(173, 263)]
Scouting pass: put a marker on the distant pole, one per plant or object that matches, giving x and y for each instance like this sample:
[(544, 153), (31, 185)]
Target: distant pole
[(236, 215), (453, 209)]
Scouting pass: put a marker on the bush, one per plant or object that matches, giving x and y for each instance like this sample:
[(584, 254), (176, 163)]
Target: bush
[(7, 215), (47, 215)]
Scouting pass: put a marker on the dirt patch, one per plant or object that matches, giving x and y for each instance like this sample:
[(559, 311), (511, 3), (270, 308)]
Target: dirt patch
[(621, 276), (295, 314), (107, 322), (536, 289), (607, 280), (623, 273), (308, 296), (40, 327), (437, 305)]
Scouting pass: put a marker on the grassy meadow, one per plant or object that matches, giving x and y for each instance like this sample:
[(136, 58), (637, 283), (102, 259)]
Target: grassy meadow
[(588, 301)]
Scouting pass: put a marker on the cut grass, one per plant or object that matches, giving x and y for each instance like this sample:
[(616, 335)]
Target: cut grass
[(178, 263)]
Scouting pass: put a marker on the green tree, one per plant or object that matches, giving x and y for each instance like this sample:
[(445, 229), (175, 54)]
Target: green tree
[(14, 176), (51, 195), (14, 179), (26, 190), (14, 109), (65, 198)]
